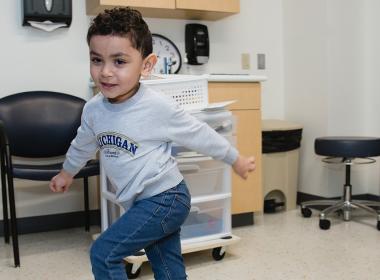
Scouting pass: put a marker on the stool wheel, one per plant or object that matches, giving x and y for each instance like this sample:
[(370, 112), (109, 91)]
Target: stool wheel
[(306, 212), (378, 225), (324, 224)]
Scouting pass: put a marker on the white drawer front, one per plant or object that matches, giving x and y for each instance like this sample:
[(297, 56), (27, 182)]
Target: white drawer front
[(207, 220), (207, 177), (217, 119)]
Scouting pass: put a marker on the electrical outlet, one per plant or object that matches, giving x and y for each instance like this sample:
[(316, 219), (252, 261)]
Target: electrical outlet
[(245, 61), (261, 61)]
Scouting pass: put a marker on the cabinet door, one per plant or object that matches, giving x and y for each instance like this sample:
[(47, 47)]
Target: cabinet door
[(229, 6), (166, 4), (96, 6), (247, 194)]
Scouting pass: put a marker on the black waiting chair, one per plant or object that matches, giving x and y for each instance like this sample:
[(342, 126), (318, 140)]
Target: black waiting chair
[(37, 125), (347, 151)]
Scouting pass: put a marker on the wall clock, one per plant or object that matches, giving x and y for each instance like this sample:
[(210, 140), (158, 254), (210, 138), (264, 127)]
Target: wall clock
[(169, 58)]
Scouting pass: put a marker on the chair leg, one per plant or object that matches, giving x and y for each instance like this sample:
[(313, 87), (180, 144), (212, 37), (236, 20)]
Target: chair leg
[(12, 208), (367, 202), (5, 214), (331, 209), (5, 201), (367, 208), (86, 205), (14, 230)]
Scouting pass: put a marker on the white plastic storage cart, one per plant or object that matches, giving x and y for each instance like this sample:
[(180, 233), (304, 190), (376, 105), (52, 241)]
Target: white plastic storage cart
[(208, 225)]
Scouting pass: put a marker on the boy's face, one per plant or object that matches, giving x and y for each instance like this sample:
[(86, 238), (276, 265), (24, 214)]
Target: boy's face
[(116, 66)]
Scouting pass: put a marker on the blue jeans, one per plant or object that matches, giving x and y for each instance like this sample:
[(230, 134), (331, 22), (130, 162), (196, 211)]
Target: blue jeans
[(152, 224)]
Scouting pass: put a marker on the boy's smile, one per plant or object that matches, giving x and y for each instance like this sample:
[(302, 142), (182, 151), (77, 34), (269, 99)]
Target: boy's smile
[(116, 66)]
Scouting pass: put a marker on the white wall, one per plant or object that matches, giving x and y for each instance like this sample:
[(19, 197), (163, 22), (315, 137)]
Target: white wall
[(35, 60), (372, 58), (330, 85)]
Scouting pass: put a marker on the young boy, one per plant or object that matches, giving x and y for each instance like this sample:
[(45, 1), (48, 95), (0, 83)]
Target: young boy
[(134, 127)]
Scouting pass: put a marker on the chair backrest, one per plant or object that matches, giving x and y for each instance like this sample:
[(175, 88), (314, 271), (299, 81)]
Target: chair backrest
[(40, 123)]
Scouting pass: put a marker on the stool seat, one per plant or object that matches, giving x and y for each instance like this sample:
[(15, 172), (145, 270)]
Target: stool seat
[(347, 146)]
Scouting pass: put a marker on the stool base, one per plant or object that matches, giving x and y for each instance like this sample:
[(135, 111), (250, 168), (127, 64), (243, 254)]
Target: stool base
[(346, 205)]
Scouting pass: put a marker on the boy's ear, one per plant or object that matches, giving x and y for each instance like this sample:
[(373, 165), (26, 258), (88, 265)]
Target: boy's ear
[(148, 64)]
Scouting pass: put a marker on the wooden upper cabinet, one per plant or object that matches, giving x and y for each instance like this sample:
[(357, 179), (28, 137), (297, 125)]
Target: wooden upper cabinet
[(181, 9)]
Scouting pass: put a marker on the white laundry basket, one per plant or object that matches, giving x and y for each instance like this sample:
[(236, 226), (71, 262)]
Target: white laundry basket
[(190, 92)]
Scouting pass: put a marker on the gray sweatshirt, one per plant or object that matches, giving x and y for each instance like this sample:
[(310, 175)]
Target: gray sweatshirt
[(135, 139)]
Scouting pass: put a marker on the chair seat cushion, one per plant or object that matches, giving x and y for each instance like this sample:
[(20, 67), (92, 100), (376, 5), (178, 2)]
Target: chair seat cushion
[(46, 172), (347, 146)]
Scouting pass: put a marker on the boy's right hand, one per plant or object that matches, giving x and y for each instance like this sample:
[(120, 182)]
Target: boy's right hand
[(61, 182), (243, 165)]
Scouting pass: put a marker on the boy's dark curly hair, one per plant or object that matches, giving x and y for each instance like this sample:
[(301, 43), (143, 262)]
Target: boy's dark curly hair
[(123, 22)]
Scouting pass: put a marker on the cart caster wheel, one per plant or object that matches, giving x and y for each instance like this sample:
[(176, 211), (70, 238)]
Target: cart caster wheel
[(378, 225), (216, 254), (306, 212), (324, 224), (130, 274)]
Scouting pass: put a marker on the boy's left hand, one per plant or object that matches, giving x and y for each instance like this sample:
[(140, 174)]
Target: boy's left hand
[(243, 165)]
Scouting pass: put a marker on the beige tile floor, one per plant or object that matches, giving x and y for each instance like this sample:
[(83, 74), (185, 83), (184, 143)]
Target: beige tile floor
[(279, 246)]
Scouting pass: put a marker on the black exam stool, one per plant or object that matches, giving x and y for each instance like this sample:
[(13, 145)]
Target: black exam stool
[(347, 151)]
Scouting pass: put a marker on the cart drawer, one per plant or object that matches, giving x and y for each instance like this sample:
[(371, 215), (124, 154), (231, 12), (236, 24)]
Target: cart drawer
[(222, 121), (207, 219), (206, 177)]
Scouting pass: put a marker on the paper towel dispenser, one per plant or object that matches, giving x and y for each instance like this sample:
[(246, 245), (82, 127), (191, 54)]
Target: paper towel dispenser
[(56, 11)]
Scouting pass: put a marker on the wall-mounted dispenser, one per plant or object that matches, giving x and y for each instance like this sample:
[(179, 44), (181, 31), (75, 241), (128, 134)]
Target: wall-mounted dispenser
[(47, 14), (197, 43)]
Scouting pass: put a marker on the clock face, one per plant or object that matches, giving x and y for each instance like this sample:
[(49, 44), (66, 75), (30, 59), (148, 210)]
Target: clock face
[(168, 56)]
